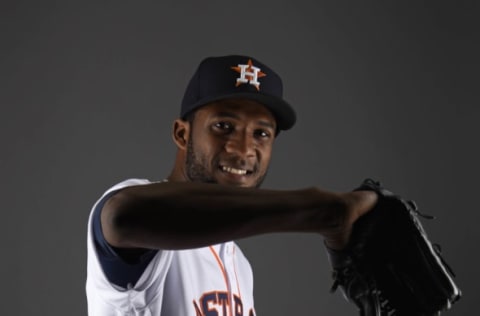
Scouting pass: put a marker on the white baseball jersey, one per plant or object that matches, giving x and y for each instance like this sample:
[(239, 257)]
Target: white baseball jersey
[(209, 281)]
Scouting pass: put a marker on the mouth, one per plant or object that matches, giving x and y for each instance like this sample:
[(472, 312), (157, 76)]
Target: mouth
[(236, 171)]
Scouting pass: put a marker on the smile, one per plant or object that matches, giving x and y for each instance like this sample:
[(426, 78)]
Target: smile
[(234, 170)]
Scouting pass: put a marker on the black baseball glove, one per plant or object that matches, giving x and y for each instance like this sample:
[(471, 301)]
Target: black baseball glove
[(390, 267)]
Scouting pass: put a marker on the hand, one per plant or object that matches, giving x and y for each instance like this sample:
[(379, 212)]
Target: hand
[(357, 204)]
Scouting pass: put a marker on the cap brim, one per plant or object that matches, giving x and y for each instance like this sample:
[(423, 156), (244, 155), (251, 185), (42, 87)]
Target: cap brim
[(281, 110)]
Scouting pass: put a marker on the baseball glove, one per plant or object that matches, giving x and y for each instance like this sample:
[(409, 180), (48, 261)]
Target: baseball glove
[(390, 267)]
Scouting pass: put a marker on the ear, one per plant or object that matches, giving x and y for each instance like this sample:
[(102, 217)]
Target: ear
[(180, 133)]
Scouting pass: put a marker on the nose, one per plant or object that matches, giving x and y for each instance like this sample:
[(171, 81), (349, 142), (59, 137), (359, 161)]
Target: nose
[(241, 145)]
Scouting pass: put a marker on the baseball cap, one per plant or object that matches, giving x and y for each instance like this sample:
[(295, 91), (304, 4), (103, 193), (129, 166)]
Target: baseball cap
[(236, 76)]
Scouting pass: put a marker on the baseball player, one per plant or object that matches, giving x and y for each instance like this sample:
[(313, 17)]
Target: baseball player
[(166, 247)]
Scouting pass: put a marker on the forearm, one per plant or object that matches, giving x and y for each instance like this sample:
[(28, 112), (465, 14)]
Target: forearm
[(186, 215)]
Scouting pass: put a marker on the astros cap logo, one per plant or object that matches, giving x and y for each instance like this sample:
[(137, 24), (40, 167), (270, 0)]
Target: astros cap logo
[(248, 74)]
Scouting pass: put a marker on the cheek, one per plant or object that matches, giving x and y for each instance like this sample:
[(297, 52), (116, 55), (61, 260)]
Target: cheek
[(207, 147), (265, 155)]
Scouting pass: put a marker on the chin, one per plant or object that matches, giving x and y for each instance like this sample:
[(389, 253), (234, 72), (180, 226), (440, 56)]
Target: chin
[(237, 183)]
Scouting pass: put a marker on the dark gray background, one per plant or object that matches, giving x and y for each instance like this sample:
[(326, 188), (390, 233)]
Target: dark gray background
[(88, 93)]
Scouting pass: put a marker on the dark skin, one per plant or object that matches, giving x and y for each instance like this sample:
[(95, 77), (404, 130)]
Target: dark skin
[(212, 193)]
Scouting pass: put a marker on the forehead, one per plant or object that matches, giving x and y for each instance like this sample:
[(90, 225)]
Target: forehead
[(241, 108)]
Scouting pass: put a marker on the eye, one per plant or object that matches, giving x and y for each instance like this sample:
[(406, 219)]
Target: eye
[(261, 133), (223, 126)]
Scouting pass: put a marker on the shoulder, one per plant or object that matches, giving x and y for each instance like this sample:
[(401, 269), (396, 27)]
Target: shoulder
[(128, 183)]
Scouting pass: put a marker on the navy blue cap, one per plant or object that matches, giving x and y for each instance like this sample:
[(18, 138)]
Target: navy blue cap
[(235, 76)]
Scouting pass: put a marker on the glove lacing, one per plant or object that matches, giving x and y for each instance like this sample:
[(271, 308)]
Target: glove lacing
[(343, 277)]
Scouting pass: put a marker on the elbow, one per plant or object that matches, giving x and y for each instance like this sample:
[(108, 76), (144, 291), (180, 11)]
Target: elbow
[(116, 222)]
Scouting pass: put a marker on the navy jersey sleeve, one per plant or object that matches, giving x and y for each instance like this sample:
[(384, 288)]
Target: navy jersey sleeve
[(122, 267)]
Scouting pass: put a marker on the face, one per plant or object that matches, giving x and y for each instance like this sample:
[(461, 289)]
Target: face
[(230, 142)]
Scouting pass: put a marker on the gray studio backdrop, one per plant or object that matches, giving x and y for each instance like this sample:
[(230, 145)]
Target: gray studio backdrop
[(88, 92)]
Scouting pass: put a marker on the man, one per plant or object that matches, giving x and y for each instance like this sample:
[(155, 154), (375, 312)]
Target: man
[(167, 248)]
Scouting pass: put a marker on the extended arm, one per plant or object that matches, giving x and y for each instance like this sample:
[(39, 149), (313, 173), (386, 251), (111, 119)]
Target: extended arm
[(179, 215)]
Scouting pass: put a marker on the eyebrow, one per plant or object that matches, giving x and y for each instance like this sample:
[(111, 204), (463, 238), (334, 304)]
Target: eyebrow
[(234, 116)]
